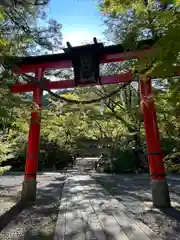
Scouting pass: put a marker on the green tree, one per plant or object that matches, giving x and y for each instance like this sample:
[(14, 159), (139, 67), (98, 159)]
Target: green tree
[(130, 21), (133, 21), (25, 30)]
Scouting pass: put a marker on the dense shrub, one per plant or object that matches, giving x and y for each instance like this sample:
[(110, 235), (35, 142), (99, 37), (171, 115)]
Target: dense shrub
[(123, 160), (6, 153), (172, 162), (119, 161), (170, 145), (51, 156)]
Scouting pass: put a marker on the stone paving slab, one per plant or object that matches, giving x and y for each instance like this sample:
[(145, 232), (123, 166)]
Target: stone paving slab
[(88, 212)]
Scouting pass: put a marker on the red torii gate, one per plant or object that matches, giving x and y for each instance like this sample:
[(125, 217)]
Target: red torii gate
[(85, 60)]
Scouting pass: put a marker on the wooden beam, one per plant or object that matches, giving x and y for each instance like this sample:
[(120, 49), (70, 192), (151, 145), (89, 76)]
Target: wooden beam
[(63, 84)]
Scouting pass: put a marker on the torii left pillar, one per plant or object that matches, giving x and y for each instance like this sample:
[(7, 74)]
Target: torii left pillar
[(31, 164)]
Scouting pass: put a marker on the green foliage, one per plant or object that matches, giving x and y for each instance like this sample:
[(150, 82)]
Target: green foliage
[(53, 155), (4, 169), (6, 152), (172, 162), (132, 21), (22, 35), (123, 156), (124, 160)]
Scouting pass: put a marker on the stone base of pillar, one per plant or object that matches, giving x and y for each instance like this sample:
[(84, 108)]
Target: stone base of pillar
[(160, 194), (28, 191)]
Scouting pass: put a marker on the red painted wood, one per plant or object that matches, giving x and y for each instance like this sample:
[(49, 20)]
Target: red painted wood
[(23, 87), (155, 154), (63, 84), (31, 163), (120, 57), (107, 58), (48, 65)]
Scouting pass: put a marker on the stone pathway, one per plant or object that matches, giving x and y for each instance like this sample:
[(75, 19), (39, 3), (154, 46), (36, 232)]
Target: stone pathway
[(88, 212)]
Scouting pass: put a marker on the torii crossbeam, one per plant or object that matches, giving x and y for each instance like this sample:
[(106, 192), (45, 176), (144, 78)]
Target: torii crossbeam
[(85, 60)]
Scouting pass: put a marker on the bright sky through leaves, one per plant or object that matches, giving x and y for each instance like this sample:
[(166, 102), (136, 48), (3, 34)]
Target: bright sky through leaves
[(80, 19)]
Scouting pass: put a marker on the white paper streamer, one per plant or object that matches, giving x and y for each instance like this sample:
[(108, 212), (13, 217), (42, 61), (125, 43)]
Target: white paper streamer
[(60, 107), (102, 107)]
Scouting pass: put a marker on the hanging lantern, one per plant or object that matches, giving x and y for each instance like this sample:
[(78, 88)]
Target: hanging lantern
[(60, 107), (102, 107)]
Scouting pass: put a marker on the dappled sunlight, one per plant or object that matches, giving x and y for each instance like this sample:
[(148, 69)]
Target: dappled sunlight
[(39, 219), (134, 193), (87, 208)]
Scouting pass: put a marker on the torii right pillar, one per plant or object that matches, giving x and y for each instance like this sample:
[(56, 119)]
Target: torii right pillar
[(160, 191)]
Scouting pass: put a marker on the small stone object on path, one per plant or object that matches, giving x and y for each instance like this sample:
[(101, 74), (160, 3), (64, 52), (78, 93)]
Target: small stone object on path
[(87, 212)]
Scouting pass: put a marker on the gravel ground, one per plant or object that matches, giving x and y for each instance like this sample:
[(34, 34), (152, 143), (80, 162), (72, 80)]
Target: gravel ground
[(134, 192), (37, 221), (10, 187)]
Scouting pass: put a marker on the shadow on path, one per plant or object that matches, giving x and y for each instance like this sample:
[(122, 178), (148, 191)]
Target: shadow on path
[(134, 192), (7, 217), (86, 208), (35, 221), (172, 212)]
